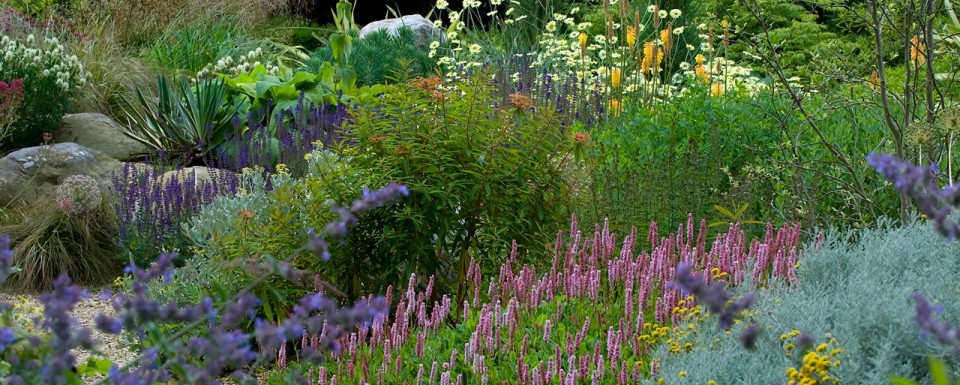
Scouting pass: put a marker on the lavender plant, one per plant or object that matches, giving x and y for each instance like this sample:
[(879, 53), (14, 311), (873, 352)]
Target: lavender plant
[(151, 206), (920, 184), (716, 299), (937, 204), (201, 359), (292, 134)]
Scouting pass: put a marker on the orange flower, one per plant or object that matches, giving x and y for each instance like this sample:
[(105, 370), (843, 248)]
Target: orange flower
[(247, 214), (701, 72), (874, 80), (631, 37), (581, 138), (615, 107), (615, 78), (699, 59), (427, 84), (917, 51)]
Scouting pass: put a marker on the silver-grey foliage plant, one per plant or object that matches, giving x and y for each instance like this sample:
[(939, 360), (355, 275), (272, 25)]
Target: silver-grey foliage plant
[(858, 286)]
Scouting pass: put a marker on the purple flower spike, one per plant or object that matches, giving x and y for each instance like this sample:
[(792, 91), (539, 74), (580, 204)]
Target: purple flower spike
[(918, 183), (716, 298), (944, 333)]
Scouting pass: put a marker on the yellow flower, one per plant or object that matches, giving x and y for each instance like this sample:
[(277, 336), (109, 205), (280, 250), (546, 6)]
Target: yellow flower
[(666, 37), (711, 382), (717, 89), (682, 374), (615, 77), (282, 169), (725, 23), (648, 63), (822, 348), (582, 39), (789, 347), (631, 36)]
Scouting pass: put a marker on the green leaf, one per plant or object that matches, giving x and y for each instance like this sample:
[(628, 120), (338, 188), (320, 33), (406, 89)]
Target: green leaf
[(742, 210), (938, 372), (724, 211), (895, 380)]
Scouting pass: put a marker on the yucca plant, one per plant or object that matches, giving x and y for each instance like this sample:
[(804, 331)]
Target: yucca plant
[(185, 123)]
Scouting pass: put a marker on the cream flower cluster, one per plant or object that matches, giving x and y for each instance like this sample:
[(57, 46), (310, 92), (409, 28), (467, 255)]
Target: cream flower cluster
[(245, 64), (46, 59)]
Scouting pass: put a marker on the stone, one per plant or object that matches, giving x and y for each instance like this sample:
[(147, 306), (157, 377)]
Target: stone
[(423, 30), (201, 176), (32, 174), (99, 132)]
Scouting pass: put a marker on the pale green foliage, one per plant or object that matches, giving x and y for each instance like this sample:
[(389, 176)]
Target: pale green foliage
[(857, 287)]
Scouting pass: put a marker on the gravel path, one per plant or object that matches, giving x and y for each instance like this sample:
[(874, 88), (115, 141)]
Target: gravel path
[(109, 346)]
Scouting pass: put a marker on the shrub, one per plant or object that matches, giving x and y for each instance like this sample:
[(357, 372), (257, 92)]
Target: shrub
[(705, 151), (481, 171), (191, 47), (857, 287), (51, 78), (71, 236), (378, 55)]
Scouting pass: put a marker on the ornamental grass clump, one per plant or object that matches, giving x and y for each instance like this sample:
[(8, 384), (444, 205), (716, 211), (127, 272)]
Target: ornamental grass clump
[(595, 313), (72, 236)]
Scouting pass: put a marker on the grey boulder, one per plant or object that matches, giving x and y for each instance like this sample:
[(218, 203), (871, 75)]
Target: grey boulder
[(99, 132), (32, 174), (423, 29)]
